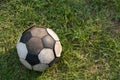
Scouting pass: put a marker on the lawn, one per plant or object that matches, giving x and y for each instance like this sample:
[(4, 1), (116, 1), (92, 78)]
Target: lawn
[(89, 31)]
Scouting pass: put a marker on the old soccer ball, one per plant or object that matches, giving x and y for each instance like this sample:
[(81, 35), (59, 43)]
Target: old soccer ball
[(38, 48)]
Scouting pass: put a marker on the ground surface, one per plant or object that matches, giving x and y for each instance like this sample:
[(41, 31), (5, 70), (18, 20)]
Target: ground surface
[(89, 31)]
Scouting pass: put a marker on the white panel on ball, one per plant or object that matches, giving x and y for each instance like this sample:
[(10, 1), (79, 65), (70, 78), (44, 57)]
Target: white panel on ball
[(52, 33), (38, 32), (58, 49), (22, 50), (46, 55), (40, 67), (25, 63)]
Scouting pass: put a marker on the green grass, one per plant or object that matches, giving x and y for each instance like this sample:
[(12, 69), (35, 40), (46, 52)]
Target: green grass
[(89, 31)]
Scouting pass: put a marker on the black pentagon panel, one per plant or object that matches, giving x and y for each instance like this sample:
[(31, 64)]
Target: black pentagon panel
[(25, 37), (34, 45), (54, 61), (48, 42), (32, 59), (39, 32)]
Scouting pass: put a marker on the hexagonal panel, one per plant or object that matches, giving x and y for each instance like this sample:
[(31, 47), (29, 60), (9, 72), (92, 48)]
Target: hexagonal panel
[(58, 49), (40, 67), (34, 45), (25, 63), (22, 50), (52, 33), (48, 42), (46, 55), (25, 37), (38, 32), (32, 59)]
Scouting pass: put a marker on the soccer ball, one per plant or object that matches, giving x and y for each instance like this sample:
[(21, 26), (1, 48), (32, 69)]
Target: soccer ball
[(38, 48)]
